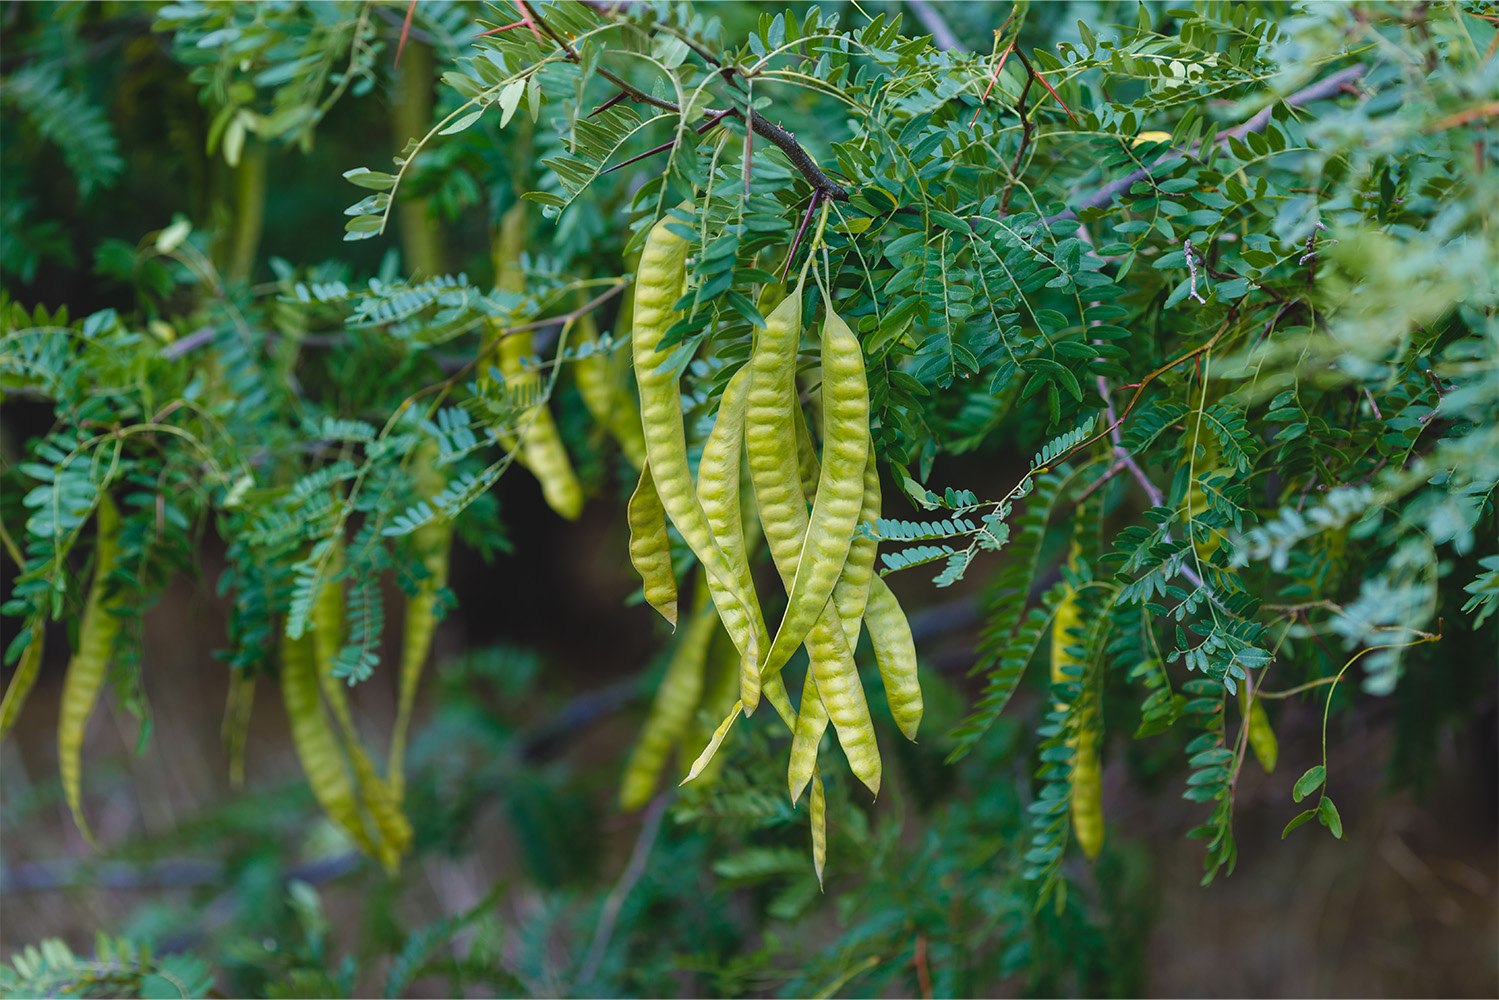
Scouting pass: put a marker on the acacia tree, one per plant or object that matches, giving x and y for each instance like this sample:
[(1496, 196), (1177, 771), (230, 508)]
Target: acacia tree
[(1226, 273)]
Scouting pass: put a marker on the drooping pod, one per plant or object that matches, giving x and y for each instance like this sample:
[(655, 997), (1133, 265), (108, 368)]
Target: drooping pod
[(720, 691), (718, 491), (770, 437), (540, 445), (431, 542), (889, 629), (1262, 741), (806, 738), (392, 831), (22, 681), (676, 699), (89, 666), (1086, 776), (1087, 787), (312, 737), (650, 546), (818, 814), (661, 277), (840, 487)]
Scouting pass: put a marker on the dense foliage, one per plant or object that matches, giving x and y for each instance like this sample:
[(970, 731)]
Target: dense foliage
[(1225, 278)]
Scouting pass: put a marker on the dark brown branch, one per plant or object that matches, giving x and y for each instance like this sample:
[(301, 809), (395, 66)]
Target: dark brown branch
[(783, 140), (1323, 88)]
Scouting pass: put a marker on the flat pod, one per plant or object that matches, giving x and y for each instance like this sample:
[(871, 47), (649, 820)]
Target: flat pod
[(718, 492), (392, 829), (89, 666), (671, 711), (889, 629), (432, 543), (602, 384), (770, 439), (22, 681), (840, 487), (662, 274), (540, 444), (312, 737), (650, 546)]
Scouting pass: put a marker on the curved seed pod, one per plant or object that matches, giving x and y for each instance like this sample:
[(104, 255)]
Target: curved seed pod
[(840, 488), (889, 629), (540, 443), (720, 691), (541, 448), (714, 742), (895, 655), (851, 592), (819, 817), (676, 699), (1087, 788), (650, 546), (22, 681), (811, 723), (1262, 737), (770, 428), (718, 492), (1069, 618), (602, 384), (662, 273), (90, 663), (842, 693), (312, 736), (393, 831), (432, 542)]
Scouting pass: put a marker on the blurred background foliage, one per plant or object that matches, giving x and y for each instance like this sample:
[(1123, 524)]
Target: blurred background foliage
[(176, 168)]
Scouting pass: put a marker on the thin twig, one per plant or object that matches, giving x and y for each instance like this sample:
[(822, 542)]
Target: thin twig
[(779, 137), (185, 345), (639, 857)]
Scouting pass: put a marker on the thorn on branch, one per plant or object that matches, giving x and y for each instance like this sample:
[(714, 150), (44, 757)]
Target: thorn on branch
[(501, 29), (993, 79), (405, 31)]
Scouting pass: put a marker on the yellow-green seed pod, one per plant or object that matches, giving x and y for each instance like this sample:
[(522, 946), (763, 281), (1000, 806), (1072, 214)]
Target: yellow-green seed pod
[(1087, 786), (602, 382), (889, 629), (22, 681), (770, 436), (97, 632), (840, 489), (431, 542), (1086, 723), (541, 448), (811, 723), (662, 274), (1262, 737), (650, 546), (392, 831), (818, 809), (312, 737), (676, 699)]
